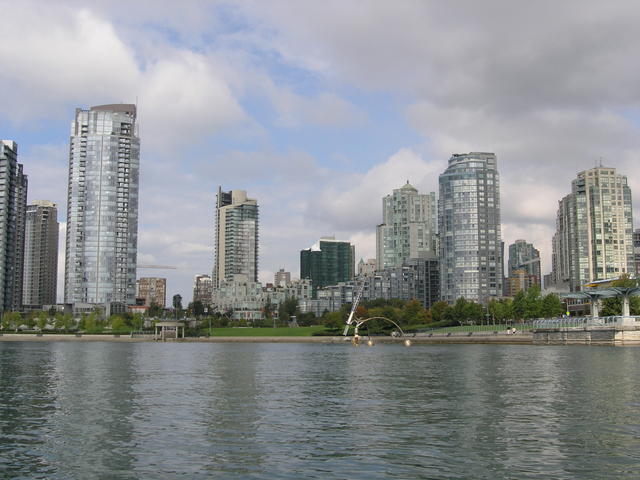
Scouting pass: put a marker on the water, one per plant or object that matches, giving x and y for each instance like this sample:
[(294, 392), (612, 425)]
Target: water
[(194, 411)]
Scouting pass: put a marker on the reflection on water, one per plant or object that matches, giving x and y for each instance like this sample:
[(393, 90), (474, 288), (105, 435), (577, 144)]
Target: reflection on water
[(110, 410)]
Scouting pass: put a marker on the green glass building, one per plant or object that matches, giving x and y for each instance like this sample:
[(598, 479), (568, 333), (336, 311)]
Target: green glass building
[(334, 262)]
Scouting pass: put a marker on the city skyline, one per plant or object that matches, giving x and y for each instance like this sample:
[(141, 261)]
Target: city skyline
[(242, 96)]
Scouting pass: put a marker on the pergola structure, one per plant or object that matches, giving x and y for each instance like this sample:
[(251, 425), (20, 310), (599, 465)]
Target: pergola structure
[(612, 292), (168, 327)]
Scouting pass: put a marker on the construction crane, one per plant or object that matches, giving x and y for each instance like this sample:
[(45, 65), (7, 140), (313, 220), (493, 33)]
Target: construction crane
[(160, 267)]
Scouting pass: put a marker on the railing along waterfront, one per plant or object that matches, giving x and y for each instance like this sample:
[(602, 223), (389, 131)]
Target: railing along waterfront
[(580, 322)]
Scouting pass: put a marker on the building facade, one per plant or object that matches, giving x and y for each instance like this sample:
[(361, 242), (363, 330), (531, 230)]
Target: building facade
[(332, 263), (367, 268), (594, 229), (520, 280), (471, 264), (102, 212), (282, 278), (152, 290), (524, 256), (408, 228), (236, 249), (13, 206), (40, 254), (202, 289), (562, 245), (417, 279), (636, 251)]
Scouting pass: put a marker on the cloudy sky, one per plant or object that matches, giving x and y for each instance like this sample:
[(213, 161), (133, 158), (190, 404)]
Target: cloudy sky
[(318, 109)]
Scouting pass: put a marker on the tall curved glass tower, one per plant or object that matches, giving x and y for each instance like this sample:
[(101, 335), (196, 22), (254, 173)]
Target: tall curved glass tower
[(102, 212), (469, 228)]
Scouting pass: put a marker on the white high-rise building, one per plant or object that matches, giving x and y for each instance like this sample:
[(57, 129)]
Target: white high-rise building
[(594, 230), (408, 228), (102, 212), (236, 237), (469, 227)]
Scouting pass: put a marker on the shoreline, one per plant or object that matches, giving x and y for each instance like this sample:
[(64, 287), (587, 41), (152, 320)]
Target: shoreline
[(462, 338)]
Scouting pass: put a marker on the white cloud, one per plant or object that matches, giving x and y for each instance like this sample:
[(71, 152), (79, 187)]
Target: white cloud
[(355, 202), (76, 57)]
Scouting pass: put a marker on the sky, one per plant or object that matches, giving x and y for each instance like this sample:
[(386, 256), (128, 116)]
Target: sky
[(319, 109)]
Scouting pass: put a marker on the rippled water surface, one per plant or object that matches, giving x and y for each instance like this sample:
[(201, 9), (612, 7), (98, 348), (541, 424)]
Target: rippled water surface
[(129, 411)]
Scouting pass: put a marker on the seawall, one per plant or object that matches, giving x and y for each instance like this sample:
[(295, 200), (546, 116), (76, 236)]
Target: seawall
[(440, 338), (615, 336)]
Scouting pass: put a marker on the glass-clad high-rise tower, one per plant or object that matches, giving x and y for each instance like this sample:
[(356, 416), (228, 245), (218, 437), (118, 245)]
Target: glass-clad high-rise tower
[(236, 237), (594, 230), (469, 228), (102, 212), (13, 205)]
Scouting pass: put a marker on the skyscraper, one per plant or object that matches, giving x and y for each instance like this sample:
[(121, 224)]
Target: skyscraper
[(41, 254), (236, 237), (408, 228), (13, 205), (524, 256), (334, 262), (469, 228), (594, 229), (560, 255), (102, 211), (636, 250)]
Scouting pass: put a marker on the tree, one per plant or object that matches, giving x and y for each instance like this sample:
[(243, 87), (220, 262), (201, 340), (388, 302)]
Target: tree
[(117, 323), (532, 302), (287, 309), (42, 319), (413, 313), (551, 306), (11, 320), (154, 310), (519, 306), (437, 311), (333, 321), (197, 308), (177, 304)]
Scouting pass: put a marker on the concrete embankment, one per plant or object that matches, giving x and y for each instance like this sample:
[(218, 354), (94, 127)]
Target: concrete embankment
[(440, 338), (616, 336)]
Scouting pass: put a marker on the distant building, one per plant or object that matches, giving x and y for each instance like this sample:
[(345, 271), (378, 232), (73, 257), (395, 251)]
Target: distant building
[(524, 256), (152, 290), (367, 268), (594, 229), (636, 251), (334, 262), (282, 278), (240, 296), (520, 280), (13, 206), (40, 254), (408, 228), (102, 209), (236, 251), (471, 260), (417, 279), (202, 289)]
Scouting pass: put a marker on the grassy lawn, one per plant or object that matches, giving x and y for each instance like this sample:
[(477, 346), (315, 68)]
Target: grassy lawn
[(266, 332)]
